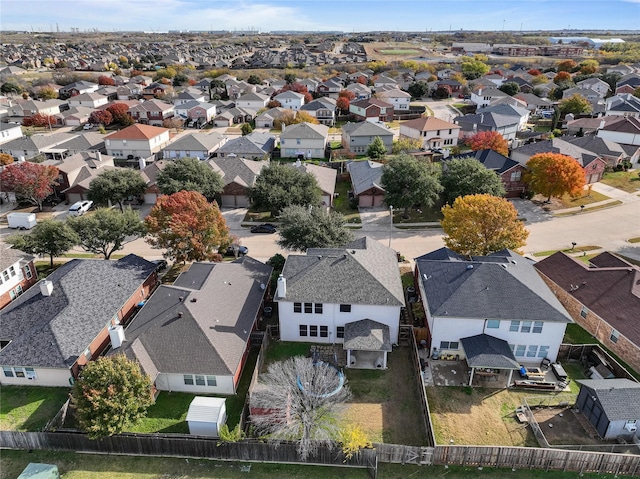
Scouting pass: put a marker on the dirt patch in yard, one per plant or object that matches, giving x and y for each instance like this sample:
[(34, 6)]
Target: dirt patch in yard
[(561, 426)]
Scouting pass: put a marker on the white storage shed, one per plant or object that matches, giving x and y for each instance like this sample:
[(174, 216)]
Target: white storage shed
[(206, 415)]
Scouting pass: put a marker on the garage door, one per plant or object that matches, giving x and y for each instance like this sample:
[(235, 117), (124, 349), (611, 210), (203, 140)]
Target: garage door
[(377, 200), (73, 198), (150, 198), (228, 201)]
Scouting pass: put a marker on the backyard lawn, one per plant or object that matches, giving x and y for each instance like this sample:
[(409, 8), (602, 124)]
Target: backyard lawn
[(628, 181), (28, 408), (341, 203)]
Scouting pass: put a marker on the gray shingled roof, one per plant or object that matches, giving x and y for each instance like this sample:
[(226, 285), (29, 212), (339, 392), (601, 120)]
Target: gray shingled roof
[(249, 145), (485, 351), (492, 160), (196, 142), (366, 128), (503, 285), (86, 141), (367, 335), (365, 175), (363, 272), (305, 131), (619, 398), (219, 303), (557, 145), (325, 176), (9, 256), (238, 170), (53, 331)]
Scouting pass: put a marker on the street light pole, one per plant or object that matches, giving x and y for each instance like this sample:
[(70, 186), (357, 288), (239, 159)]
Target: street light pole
[(390, 223)]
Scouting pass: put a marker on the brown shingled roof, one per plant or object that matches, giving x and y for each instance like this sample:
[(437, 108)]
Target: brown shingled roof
[(136, 132), (429, 124)]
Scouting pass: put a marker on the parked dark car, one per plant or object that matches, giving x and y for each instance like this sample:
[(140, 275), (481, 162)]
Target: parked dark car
[(161, 264), (263, 228), (231, 250)]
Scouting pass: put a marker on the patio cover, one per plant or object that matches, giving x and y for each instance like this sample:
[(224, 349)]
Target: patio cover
[(484, 351), (367, 335)]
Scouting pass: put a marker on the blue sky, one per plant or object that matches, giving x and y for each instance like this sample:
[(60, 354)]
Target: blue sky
[(315, 15)]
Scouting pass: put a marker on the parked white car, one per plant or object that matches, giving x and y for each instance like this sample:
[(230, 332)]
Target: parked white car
[(80, 208)]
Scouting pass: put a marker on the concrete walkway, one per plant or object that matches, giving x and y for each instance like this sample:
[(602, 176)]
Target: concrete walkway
[(616, 196)]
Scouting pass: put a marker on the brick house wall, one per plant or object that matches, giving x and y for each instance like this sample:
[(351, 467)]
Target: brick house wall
[(514, 188), (595, 325), (595, 170)]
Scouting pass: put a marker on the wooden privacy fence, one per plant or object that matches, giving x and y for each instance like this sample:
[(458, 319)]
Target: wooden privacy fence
[(400, 454), (182, 446), (537, 458)]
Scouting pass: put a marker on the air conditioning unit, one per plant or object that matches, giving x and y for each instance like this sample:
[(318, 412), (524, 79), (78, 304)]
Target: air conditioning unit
[(631, 427)]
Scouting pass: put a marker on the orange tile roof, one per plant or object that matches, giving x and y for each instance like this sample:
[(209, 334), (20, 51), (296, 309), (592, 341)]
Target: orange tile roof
[(429, 124), (136, 132)]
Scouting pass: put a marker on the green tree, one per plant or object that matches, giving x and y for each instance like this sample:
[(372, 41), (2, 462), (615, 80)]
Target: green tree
[(418, 89), (50, 237), (576, 104), (190, 174), (481, 225), (302, 228), (408, 181), (376, 149), (47, 93), (473, 68), (278, 186), (116, 186), (467, 176), (510, 88), (188, 227), (11, 86), (246, 128), (290, 78), (254, 80), (107, 230), (111, 394), (404, 144)]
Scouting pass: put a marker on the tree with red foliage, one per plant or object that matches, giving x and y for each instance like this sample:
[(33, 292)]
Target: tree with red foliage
[(101, 117), (349, 95), (274, 104), (106, 80), (308, 97), (535, 72), (554, 174), (489, 140), (561, 77), (119, 112), (29, 181), (295, 86), (192, 82), (39, 119), (188, 227), (343, 103), (362, 80)]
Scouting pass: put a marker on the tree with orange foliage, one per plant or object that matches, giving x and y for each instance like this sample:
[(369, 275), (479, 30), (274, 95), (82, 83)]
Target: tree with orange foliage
[(6, 159), (349, 95), (554, 174), (343, 103), (489, 140), (106, 80), (561, 77), (566, 66), (188, 227), (39, 119)]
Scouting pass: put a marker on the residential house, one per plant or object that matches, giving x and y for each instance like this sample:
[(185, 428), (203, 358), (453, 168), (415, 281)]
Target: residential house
[(304, 140), (625, 131), (356, 137), (396, 97), (487, 298), (384, 81), (602, 297), (507, 125), (238, 175), (51, 331), (590, 162), (190, 96), (592, 96), (628, 83), (230, 115), (253, 101), (74, 116), (485, 96), (432, 132), (612, 407), (362, 92), (194, 335), (609, 151), (196, 113), (78, 169), (17, 274), (290, 100), (371, 109), (534, 103), (28, 108), (155, 90), (453, 86), (266, 118), (27, 147), (90, 142), (366, 183), (194, 145), (624, 104), (88, 100), (511, 172), (254, 146), (78, 88), (325, 177), (152, 112), (150, 175), (137, 141), (9, 131), (323, 109), (351, 295), (596, 84), (331, 88)]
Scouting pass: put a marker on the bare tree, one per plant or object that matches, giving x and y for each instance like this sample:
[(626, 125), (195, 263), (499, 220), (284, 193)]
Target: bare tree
[(301, 401)]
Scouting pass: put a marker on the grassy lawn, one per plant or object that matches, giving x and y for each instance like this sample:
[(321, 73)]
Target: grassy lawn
[(169, 412), (93, 466), (418, 215), (258, 216), (28, 408), (341, 203), (593, 208), (280, 350), (577, 249), (576, 334), (593, 197), (628, 181), (634, 240)]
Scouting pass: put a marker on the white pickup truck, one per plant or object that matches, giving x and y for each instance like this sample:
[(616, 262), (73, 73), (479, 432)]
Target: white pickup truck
[(79, 208)]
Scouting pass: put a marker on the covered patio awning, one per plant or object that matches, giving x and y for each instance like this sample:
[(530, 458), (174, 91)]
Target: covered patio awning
[(367, 335), (488, 353)]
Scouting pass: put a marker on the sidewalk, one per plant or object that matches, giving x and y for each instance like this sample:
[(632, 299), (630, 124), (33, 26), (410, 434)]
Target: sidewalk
[(615, 195)]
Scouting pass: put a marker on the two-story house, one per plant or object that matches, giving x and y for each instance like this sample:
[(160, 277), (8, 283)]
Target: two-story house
[(152, 112), (371, 109), (137, 141), (252, 101), (398, 98), (511, 172), (88, 100), (432, 132), (356, 137), (304, 140), (17, 274), (323, 109), (290, 100)]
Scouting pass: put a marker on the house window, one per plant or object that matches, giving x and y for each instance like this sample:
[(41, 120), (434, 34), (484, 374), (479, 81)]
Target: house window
[(199, 380), (516, 175), (448, 344), (297, 307), (188, 379), (303, 330), (27, 272), (12, 295), (520, 350), (614, 336), (584, 311), (493, 324), (537, 327), (8, 372), (313, 331), (87, 354), (211, 381), (526, 327), (5, 275), (345, 308), (514, 327), (19, 372), (308, 307), (543, 351), (318, 308), (532, 351), (297, 141), (18, 290), (324, 331), (340, 332), (12, 270)]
